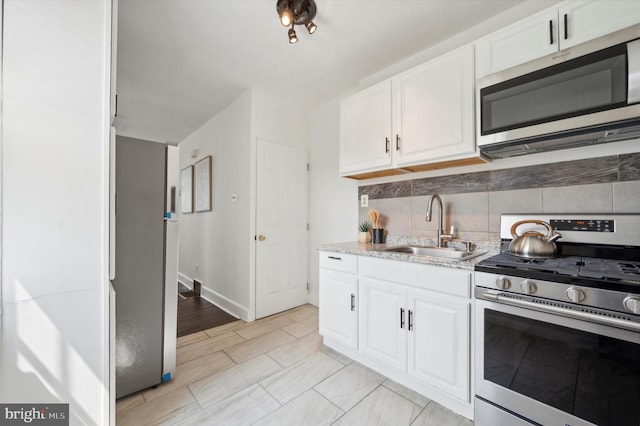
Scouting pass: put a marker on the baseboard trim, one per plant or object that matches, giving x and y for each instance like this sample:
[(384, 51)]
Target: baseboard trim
[(229, 306), (185, 280), (314, 299)]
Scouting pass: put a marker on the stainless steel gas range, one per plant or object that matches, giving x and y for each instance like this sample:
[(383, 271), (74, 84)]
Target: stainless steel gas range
[(558, 336)]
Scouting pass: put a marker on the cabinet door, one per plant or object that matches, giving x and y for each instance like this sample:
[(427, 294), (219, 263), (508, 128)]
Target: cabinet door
[(433, 110), (365, 129), (114, 59), (382, 322), (521, 42), (338, 302), (439, 341), (587, 20)]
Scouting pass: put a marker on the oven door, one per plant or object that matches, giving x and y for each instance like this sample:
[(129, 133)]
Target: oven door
[(542, 367)]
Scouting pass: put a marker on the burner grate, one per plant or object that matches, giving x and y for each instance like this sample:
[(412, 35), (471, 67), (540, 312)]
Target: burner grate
[(629, 268), (611, 269)]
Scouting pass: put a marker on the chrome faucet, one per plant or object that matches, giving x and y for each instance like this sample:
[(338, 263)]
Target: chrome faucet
[(441, 235)]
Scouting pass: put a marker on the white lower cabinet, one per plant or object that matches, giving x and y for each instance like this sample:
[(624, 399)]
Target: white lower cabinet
[(383, 318), (413, 325), (439, 341), (338, 294)]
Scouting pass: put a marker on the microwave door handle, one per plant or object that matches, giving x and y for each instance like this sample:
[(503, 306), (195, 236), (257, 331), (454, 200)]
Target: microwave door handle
[(557, 310)]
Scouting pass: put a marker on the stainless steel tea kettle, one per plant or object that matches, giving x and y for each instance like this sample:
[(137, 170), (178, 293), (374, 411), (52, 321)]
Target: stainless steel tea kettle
[(533, 244)]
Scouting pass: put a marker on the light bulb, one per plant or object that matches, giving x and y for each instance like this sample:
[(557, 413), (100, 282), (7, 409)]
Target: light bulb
[(286, 18), (293, 38), (311, 27)]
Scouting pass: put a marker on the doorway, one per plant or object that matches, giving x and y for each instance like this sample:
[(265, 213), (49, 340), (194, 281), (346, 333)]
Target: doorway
[(281, 228)]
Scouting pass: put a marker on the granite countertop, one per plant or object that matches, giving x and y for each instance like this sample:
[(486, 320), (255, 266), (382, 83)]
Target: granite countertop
[(378, 250)]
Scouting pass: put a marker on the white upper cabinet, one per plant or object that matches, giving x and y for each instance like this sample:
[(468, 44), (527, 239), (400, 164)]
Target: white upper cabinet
[(433, 110), (421, 117), (519, 43), (365, 130), (587, 20), (550, 31)]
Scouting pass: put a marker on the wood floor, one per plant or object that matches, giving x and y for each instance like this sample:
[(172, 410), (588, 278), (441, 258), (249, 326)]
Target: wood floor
[(197, 314)]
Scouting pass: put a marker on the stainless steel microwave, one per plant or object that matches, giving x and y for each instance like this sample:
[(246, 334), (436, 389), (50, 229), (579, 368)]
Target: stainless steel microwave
[(584, 95)]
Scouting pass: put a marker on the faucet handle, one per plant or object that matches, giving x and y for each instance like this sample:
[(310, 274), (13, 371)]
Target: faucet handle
[(452, 231)]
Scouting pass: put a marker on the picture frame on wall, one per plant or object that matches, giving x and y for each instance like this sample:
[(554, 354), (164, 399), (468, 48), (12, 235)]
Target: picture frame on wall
[(202, 185), (186, 190)]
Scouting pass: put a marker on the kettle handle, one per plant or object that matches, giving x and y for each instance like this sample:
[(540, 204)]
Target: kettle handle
[(515, 226)]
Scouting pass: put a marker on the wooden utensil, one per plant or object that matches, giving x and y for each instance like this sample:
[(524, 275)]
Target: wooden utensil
[(374, 217)]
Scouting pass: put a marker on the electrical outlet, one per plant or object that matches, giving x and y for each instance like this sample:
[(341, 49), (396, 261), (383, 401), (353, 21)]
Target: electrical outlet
[(364, 200)]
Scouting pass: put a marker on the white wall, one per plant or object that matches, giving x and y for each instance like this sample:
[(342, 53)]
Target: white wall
[(333, 213), (221, 242), (54, 340), (217, 241), (276, 120)]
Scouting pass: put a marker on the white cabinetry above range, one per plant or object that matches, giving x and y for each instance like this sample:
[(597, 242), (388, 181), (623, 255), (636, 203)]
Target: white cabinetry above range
[(411, 322), (418, 120), (551, 31)]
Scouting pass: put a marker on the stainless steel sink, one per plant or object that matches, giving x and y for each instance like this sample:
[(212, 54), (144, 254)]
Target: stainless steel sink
[(441, 252)]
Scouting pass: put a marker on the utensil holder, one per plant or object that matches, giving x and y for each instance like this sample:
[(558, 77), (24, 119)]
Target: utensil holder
[(378, 236)]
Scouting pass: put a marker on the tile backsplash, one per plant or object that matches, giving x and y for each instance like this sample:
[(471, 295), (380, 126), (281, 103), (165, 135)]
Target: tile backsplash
[(473, 202)]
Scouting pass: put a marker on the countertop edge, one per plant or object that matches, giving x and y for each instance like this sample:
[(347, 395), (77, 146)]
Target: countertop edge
[(378, 250)]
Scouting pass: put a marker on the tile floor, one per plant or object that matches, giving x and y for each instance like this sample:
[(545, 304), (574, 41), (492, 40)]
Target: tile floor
[(276, 371)]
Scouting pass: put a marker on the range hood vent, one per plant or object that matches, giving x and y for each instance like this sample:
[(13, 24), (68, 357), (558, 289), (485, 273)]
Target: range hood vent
[(564, 140)]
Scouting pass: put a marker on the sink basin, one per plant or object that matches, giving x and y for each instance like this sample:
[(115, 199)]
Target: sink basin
[(441, 252)]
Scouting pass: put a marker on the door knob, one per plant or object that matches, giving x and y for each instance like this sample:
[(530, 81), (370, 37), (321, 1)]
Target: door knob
[(261, 238)]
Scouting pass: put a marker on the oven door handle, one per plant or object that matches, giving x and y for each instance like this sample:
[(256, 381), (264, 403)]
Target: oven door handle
[(585, 316)]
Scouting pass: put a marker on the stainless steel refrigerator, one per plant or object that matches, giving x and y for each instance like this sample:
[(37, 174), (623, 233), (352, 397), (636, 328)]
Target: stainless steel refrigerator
[(146, 267)]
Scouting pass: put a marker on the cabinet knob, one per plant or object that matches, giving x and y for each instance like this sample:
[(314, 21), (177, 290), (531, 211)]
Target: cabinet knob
[(261, 238)]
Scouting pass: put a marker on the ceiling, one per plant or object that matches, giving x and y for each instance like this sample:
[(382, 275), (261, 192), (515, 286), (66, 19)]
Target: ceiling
[(180, 62)]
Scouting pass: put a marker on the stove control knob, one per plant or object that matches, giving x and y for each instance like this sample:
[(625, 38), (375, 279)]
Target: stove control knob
[(632, 303), (503, 283), (575, 294), (528, 287)]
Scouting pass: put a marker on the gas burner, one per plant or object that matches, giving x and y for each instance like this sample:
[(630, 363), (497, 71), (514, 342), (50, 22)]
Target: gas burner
[(629, 268), (535, 261)]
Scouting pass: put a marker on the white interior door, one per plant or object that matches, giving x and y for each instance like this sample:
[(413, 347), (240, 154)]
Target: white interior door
[(281, 228)]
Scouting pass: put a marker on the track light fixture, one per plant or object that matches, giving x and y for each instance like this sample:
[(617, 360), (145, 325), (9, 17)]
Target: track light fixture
[(297, 12)]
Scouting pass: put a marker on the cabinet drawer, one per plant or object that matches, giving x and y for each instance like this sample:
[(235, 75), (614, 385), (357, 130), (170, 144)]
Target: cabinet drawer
[(456, 282), (339, 262)]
